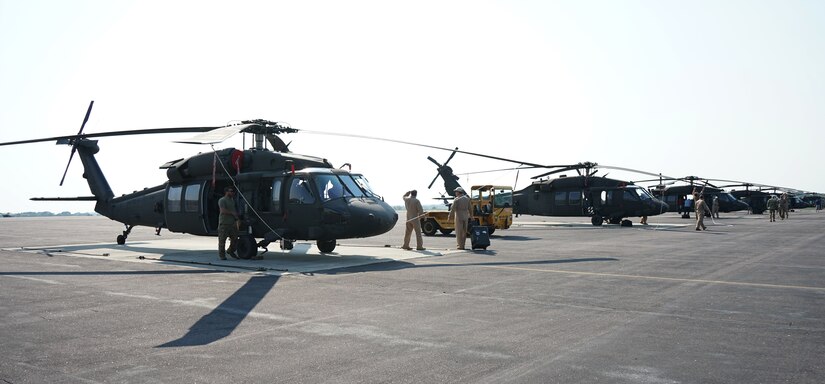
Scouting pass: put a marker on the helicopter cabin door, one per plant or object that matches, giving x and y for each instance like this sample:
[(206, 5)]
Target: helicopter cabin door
[(185, 208), (302, 211)]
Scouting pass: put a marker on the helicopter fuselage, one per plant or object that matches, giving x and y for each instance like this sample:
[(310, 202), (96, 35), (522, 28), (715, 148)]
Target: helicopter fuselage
[(597, 197), (282, 196)]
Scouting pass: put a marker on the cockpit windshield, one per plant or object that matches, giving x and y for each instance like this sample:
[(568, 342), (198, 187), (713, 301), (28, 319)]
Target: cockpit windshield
[(727, 197), (365, 186), (641, 192)]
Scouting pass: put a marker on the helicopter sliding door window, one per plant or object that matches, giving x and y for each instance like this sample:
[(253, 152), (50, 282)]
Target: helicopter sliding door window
[(561, 198), (173, 198), (276, 195), (191, 197), (575, 197)]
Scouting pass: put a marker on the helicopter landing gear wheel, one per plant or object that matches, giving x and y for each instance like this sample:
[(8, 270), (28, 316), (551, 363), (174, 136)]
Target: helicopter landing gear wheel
[(121, 239), (429, 227), (596, 220), (286, 245), (325, 246), (247, 247), (626, 223)]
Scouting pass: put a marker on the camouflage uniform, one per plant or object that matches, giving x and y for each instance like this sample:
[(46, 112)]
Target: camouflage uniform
[(783, 206), (773, 204)]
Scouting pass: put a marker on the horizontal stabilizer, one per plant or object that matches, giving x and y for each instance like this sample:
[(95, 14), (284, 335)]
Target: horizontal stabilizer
[(79, 198)]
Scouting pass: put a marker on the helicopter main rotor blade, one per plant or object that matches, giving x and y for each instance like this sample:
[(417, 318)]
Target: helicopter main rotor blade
[(114, 133), (429, 146), (656, 175), (433, 182)]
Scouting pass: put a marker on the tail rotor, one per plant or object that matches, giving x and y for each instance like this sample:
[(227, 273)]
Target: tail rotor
[(74, 142)]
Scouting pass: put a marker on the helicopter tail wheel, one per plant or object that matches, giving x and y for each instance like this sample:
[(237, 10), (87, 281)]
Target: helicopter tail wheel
[(429, 227), (247, 247), (121, 239), (596, 220), (325, 246)]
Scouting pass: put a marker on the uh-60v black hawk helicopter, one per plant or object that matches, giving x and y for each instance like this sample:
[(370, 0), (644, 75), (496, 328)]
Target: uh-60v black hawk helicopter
[(285, 196), (676, 195), (600, 198)]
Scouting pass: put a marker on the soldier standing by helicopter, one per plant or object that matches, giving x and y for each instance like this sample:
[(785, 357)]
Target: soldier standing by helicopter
[(414, 213), (227, 224), (701, 208), (460, 212), (773, 204), (783, 206)]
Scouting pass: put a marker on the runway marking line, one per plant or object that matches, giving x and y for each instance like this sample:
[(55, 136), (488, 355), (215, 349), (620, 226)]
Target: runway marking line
[(603, 274)]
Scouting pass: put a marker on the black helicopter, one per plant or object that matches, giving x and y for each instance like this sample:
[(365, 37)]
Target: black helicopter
[(600, 198), (286, 196), (676, 195)]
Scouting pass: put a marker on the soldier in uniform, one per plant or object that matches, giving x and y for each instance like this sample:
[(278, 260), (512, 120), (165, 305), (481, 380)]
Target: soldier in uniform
[(227, 224), (701, 208), (414, 213), (773, 204), (783, 206), (460, 213)]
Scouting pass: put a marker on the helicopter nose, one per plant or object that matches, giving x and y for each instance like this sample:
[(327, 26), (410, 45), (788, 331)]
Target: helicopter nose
[(374, 217)]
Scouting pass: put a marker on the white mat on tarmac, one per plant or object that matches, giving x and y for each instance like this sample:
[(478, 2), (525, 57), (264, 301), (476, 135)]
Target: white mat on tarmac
[(201, 252)]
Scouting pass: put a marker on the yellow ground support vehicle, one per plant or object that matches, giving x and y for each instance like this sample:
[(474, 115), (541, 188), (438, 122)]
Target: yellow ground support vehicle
[(492, 206)]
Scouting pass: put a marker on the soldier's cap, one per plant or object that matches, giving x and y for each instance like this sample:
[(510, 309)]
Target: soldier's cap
[(459, 189)]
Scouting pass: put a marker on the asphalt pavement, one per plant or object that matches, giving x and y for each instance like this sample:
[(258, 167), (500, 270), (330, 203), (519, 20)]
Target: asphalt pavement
[(552, 300)]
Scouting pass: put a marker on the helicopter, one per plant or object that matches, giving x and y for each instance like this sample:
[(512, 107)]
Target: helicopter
[(600, 198), (286, 196), (673, 195)]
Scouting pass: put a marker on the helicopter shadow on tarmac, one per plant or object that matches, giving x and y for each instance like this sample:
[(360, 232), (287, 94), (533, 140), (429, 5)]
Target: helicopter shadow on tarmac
[(223, 320), (400, 264)]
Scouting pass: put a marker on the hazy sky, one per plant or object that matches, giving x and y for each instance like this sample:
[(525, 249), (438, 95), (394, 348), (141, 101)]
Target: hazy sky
[(717, 89)]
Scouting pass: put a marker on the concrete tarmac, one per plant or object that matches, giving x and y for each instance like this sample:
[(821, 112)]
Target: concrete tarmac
[(552, 300)]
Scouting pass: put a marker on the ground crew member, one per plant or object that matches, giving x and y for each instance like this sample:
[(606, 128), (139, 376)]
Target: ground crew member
[(227, 224), (460, 213), (701, 208), (783, 206), (773, 204), (643, 221), (414, 213), (714, 208)]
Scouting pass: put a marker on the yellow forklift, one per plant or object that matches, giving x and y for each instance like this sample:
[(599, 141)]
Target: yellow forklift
[(491, 206)]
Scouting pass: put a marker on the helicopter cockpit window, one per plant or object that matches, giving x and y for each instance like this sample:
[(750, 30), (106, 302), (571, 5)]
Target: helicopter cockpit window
[(330, 187), (352, 186), (727, 197), (173, 199), (300, 192), (191, 197), (642, 193), (362, 182), (630, 195)]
